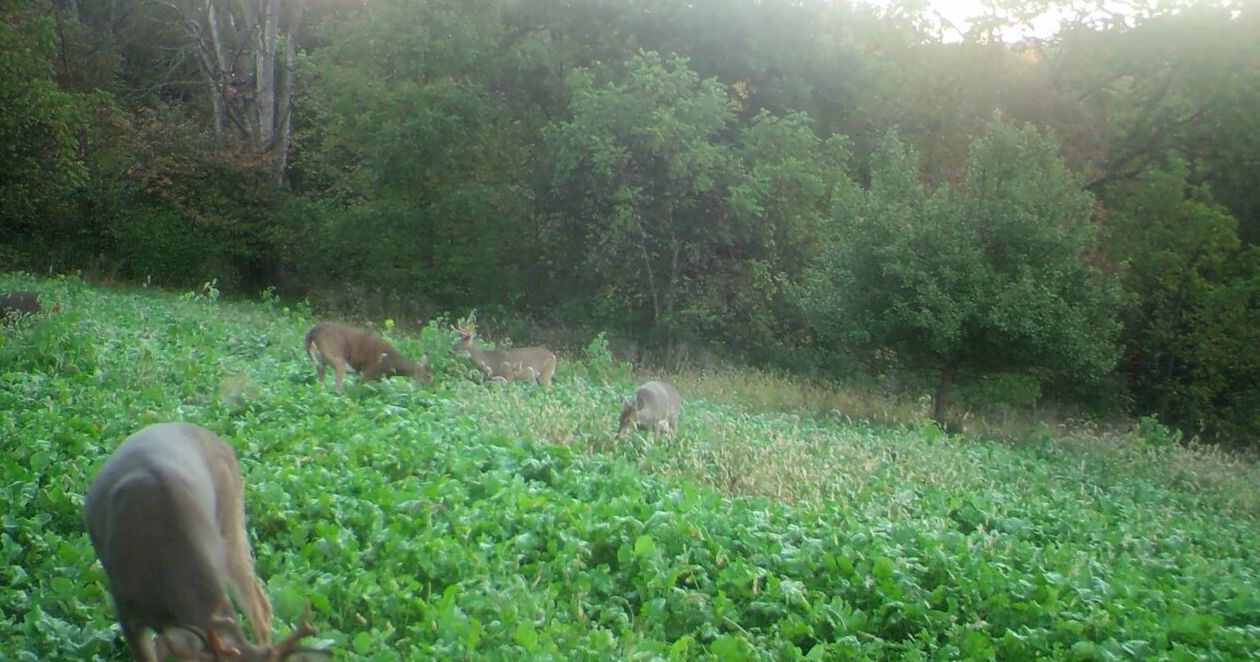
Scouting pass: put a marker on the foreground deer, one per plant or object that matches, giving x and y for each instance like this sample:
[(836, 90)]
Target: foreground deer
[(537, 364), (166, 516), (656, 405), (366, 354)]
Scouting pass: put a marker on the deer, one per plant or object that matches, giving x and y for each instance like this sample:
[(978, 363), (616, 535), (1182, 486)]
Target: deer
[(370, 356), (18, 304), (536, 364), (656, 405), (166, 517)]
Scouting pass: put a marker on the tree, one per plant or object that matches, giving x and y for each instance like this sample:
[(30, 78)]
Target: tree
[(1183, 79), (410, 159), (785, 186), (995, 276), (39, 133), (245, 52), (639, 171), (1194, 320)]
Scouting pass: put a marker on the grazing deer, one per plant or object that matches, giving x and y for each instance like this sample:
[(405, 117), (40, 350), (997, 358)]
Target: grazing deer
[(17, 304), (537, 364), (656, 405), (366, 354), (166, 516)]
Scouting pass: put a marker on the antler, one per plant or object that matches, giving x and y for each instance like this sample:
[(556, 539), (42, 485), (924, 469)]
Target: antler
[(221, 650), (468, 325), (224, 621), (304, 629)]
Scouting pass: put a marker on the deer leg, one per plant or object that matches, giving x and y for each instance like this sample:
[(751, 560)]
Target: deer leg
[(317, 355), (246, 586), (240, 561), (375, 371), (140, 640), (339, 369)]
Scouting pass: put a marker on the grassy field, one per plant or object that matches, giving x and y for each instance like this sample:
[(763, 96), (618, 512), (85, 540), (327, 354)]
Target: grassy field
[(479, 521)]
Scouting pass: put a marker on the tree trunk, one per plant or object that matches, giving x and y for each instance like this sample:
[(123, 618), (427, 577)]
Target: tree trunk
[(214, 69), (264, 120), (651, 278), (284, 95)]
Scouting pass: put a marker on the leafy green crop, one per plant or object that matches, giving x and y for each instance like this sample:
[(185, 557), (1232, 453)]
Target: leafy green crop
[(480, 521)]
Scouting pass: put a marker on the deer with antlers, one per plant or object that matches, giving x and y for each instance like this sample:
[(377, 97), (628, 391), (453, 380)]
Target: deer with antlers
[(166, 516), (536, 364)]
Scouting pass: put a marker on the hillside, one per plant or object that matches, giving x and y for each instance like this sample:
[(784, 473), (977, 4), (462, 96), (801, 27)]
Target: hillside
[(464, 520)]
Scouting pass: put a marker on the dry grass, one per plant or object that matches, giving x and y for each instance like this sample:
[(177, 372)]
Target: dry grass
[(1226, 479), (764, 391), (751, 433)]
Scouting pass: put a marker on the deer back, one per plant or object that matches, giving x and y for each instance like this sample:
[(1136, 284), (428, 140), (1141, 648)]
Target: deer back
[(369, 355), (153, 516), (17, 304), (358, 349), (536, 363)]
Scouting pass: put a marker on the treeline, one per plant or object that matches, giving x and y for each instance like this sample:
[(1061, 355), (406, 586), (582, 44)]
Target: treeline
[(819, 186)]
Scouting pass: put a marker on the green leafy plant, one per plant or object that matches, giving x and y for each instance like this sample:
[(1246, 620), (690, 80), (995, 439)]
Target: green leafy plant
[(456, 521), (601, 366)]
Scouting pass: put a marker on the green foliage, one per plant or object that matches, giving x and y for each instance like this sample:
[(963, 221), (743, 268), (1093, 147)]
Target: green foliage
[(1004, 389), (1192, 322), (1156, 434), (51, 341), (662, 169), (456, 520), (415, 185), (639, 165), (788, 184), (1188, 83), (38, 131), (987, 278), (678, 230), (601, 366)]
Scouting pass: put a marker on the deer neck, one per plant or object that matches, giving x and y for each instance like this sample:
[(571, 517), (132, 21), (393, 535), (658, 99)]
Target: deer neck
[(481, 356)]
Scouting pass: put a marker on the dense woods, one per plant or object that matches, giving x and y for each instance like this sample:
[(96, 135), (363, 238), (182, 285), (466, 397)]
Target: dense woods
[(814, 185)]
